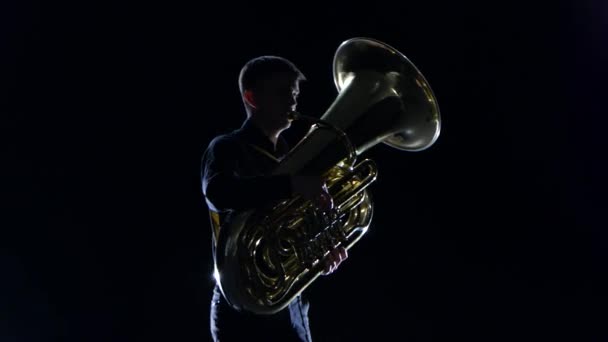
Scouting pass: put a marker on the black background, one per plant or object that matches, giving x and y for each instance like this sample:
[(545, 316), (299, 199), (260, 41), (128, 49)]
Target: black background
[(496, 232)]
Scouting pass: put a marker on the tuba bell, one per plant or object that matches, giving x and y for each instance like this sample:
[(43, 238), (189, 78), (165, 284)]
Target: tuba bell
[(266, 257)]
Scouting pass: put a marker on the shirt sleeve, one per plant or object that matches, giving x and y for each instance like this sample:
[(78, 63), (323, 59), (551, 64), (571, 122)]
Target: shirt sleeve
[(224, 189)]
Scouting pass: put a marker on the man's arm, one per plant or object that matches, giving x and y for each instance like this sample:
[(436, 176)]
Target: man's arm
[(224, 189)]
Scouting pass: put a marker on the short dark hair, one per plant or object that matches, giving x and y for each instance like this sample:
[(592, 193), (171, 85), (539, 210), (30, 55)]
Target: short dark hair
[(262, 67)]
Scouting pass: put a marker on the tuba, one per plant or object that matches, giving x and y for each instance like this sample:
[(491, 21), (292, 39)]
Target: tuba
[(268, 256)]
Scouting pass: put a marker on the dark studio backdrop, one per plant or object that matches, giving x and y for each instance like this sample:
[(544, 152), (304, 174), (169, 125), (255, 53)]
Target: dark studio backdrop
[(496, 232)]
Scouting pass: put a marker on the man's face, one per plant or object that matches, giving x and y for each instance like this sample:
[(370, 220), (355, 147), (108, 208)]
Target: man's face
[(276, 97)]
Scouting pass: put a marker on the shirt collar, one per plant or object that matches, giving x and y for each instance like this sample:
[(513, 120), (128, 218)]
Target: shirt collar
[(256, 136)]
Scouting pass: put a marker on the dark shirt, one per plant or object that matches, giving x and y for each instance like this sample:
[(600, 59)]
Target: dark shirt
[(236, 174), (236, 171)]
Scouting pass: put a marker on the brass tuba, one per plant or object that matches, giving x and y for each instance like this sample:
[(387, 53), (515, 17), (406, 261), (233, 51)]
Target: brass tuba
[(266, 257)]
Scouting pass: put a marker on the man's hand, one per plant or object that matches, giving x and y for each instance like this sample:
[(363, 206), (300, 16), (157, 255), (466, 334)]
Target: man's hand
[(313, 188), (309, 187), (324, 200), (334, 259)]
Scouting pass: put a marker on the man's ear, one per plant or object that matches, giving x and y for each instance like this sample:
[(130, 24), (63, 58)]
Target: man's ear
[(248, 95)]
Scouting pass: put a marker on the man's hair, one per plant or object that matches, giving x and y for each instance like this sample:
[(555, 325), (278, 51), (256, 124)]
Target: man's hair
[(263, 67)]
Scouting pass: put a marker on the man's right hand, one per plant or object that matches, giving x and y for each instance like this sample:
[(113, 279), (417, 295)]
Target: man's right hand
[(335, 257), (312, 188)]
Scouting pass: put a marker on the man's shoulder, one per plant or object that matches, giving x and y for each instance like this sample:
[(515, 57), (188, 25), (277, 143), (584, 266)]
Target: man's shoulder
[(229, 138), (224, 141)]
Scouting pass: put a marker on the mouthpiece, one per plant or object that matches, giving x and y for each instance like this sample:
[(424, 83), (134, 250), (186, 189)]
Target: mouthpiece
[(295, 115)]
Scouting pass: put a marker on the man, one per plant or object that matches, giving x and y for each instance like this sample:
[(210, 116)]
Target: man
[(236, 175)]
